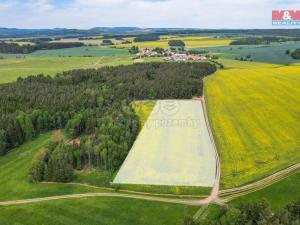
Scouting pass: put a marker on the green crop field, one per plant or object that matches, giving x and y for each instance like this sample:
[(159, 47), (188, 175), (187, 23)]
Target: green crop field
[(108, 211), (12, 68), (255, 119), (278, 194), (274, 53)]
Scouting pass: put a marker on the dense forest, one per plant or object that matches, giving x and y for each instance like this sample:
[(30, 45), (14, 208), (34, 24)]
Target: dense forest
[(92, 104), (262, 40), (252, 213), (25, 49), (296, 54), (146, 38)]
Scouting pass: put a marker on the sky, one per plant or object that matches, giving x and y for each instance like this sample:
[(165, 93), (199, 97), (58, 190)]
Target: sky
[(211, 14)]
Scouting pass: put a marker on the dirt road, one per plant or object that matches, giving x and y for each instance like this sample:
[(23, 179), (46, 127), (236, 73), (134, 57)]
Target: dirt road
[(229, 194), (215, 190)]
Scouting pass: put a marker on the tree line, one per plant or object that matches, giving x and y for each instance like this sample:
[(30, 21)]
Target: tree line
[(25, 49), (265, 40), (252, 213), (150, 37), (93, 105)]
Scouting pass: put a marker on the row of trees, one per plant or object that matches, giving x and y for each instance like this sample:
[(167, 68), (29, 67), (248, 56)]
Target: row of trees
[(24, 49), (93, 105), (107, 42), (35, 40), (262, 40), (254, 213), (149, 37)]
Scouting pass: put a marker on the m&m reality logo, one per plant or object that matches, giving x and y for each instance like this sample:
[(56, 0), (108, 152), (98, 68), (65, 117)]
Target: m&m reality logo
[(286, 17)]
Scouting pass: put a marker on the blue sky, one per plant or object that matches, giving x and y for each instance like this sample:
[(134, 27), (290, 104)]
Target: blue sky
[(141, 13)]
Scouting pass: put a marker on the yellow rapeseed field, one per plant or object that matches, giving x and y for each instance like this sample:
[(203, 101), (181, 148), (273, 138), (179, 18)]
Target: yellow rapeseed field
[(190, 42), (254, 110), (143, 109)]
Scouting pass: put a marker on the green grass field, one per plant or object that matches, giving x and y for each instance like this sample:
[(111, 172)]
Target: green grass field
[(12, 68), (14, 183), (93, 176), (14, 174), (89, 211), (278, 194), (253, 111), (165, 189), (274, 53), (75, 52)]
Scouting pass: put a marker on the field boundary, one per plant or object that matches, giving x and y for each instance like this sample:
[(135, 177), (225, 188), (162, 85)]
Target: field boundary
[(230, 194), (193, 202), (215, 190), (131, 191), (102, 194)]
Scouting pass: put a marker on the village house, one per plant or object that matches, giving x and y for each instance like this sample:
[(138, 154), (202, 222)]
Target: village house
[(171, 55)]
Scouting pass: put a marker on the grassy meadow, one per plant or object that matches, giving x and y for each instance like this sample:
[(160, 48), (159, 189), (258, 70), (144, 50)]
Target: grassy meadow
[(87, 211), (257, 128), (288, 189), (14, 174), (83, 51), (14, 183), (165, 189), (12, 68)]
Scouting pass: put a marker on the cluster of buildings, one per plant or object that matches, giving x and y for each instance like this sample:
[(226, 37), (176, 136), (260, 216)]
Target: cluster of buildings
[(185, 57), (147, 53), (171, 55)]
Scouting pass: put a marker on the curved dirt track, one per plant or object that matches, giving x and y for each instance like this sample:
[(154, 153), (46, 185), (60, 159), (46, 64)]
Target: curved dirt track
[(86, 195), (229, 194), (124, 191), (215, 190)]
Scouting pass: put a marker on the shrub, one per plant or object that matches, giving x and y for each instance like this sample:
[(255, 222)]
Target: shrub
[(296, 54)]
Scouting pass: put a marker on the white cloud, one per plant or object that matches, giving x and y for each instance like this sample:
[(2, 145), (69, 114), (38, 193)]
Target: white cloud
[(6, 5), (39, 5), (148, 13)]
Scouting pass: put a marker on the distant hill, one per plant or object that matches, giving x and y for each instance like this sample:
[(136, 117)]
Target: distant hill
[(134, 31)]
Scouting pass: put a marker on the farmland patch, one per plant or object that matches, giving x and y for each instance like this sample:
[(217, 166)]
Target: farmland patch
[(173, 148), (274, 53), (253, 111)]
